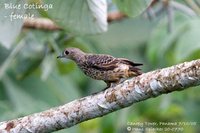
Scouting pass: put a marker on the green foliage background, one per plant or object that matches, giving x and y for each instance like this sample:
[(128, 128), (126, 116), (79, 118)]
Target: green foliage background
[(33, 80)]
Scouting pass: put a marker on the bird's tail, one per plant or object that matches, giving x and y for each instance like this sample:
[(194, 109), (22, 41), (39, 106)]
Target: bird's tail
[(134, 71)]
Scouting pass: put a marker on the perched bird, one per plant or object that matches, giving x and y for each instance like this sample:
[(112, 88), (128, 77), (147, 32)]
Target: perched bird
[(101, 66)]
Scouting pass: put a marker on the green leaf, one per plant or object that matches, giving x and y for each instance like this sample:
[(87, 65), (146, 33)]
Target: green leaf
[(174, 111), (47, 66), (3, 54), (10, 114), (189, 42), (132, 8), (2, 92), (10, 27), (4, 106), (30, 57), (90, 126), (172, 37), (34, 86), (77, 42), (79, 16), (65, 68), (56, 89), (7, 63), (22, 101), (156, 39), (108, 123), (62, 87), (161, 44)]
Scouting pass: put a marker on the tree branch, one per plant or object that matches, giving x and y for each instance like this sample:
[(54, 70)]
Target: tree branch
[(47, 24), (147, 85), (40, 23)]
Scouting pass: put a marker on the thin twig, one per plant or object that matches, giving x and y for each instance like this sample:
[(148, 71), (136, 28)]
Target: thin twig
[(150, 13), (183, 8), (145, 86), (159, 9), (193, 5), (115, 16)]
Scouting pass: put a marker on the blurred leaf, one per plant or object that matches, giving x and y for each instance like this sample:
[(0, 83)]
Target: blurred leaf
[(47, 66), (65, 68), (42, 36), (38, 89), (79, 16), (56, 89), (74, 129), (3, 54), (108, 123), (198, 2), (189, 41), (7, 63), (195, 54), (81, 80), (10, 114), (169, 58), (22, 101), (111, 6), (62, 38), (155, 41), (132, 8), (63, 87), (173, 112), (10, 27), (160, 45), (91, 126), (4, 107), (191, 107), (30, 57), (121, 122), (78, 42), (2, 92)]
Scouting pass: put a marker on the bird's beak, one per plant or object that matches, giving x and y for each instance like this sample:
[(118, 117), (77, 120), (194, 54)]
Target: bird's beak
[(60, 56)]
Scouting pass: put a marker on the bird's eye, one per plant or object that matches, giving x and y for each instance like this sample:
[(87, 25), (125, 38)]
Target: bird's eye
[(66, 52)]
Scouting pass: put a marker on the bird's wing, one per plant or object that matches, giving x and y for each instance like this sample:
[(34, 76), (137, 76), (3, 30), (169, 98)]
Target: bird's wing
[(128, 62), (102, 62)]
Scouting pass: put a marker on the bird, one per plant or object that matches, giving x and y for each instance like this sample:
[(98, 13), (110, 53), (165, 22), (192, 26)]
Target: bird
[(102, 66)]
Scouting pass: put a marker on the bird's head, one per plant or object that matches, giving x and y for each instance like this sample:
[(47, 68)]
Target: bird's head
[(71, 53)]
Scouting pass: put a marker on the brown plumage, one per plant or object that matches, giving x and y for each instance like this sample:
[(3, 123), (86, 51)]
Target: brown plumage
[(101, 66)]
